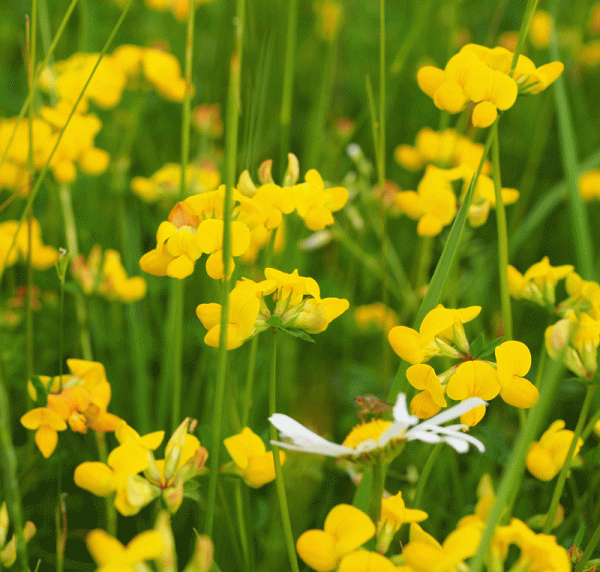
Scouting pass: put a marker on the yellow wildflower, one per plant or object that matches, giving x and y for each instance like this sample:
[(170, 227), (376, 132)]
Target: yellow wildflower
[(376, 314), (547, 456), (42, 256), (346, 529), (513, 361), (393, 515), (540, 29), (252, 461), (431, 398), (111, 555)]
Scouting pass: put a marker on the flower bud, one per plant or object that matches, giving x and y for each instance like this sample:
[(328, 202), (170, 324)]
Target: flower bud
[(246, 185), (264, 172), (292, 172), (174, 449)]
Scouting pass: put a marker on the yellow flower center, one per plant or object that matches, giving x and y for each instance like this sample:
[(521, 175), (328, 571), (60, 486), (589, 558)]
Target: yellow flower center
[(365, 432)]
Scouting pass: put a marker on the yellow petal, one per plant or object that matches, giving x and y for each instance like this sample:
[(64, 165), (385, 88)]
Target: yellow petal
[(103, 547), (243, 446), (128, 458), (46, 439), (145, 546), (95, 477), (365, 561), (317, 549), (484, 114), (261, 469), (350, 526), (429, 79)]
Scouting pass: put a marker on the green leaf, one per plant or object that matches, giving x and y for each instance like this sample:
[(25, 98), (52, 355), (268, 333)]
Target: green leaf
[(476, 346), (275, 322), (298, 334), (41, 391), (489, 349)]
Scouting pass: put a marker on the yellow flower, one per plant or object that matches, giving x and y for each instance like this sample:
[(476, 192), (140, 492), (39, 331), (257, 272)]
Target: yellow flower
[(513, 360), (112, 556), (329, 18), (434, 201), (376, 314), (46, 423), (431, 399), (474, 378), (346, 529), (425, 554), (244, 307), (8, 550), (547, 456), (538, 284), (210, 241), (439, 328), (393, 515), (584, 296), (42, 256), (164, 184), (119, 475), (315, 204), (366, 561), (251, 458), (484, 197), (540, 29)]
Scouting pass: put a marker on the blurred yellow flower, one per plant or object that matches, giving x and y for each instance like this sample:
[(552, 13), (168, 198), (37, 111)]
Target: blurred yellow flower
[(42, 256), (547, 456), (376, 314), (540, 29), (112, 556)]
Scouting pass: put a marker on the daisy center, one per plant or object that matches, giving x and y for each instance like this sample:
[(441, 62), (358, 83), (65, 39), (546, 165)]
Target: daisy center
[(365, 432)]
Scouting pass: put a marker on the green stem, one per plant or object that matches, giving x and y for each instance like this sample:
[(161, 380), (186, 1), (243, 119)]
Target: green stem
[(174, 336), (502, 237), (589, 550), (283, 506), (288, 82), (526, 22), (231, 138), (10, 479), (435, 452), (377, 488), (64, 194), (579, 218), (186, 115), (248, 399), (239, 509), (562, 477), (423, 262), (513, 472)]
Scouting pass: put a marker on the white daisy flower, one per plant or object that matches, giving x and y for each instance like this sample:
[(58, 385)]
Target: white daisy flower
[(379, 434)]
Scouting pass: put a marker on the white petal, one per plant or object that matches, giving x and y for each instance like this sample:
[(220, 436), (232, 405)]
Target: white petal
[(456, 411), (454, 433), (401, 412), (304, 439)]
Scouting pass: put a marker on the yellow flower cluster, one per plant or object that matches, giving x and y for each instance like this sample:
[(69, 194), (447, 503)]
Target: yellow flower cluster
[(195, 225), (184, 460), (442, 334), (78, 400), (128, 66), (287, 301), (76, 147), (434, 203), (576, 335), (41, 257), (482, 76), (164, 185), (105, 275)]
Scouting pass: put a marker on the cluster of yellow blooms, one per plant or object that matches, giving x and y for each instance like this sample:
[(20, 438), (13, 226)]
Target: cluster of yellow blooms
[(484, 77), (285, 301), (129, 66), (164, 185), (442, 334), (76, 147), (105, 275), (195, 225), (434, 203), (346, 529), (576, 335), (80, 399)]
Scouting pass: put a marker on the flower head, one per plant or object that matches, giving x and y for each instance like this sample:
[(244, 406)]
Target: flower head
[(380, 437)]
